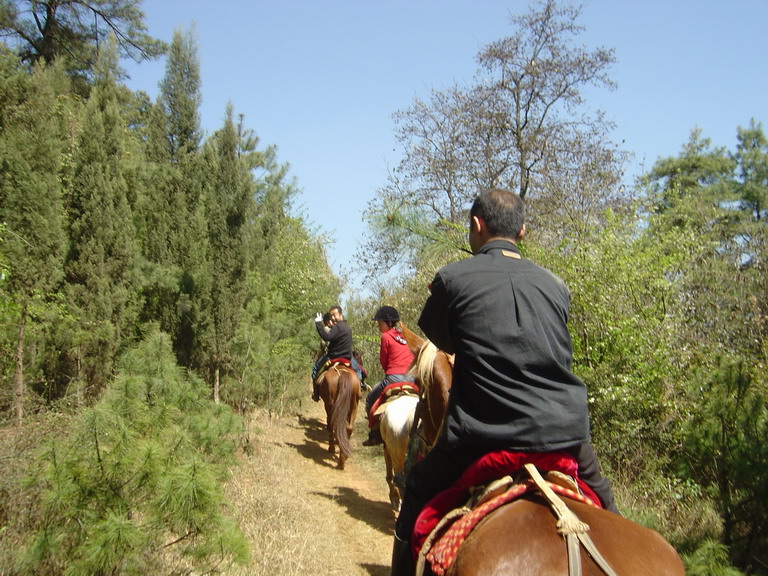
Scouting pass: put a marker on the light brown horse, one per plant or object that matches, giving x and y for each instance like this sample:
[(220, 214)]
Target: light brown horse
[(521, 538), (433, 372), (339, 388)]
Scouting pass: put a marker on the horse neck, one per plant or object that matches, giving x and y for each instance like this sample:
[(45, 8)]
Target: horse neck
[(415, 343)]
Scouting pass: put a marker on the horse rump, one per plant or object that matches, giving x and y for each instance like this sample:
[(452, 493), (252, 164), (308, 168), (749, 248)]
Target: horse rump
[(521, 538)]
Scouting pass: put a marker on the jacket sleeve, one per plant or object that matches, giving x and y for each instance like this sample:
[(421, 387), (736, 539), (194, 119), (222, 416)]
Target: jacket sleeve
[(384, 352), (322, 332), (434, 320)]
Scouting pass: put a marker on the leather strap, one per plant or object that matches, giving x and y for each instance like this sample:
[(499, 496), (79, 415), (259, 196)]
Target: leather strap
[(575, 530)]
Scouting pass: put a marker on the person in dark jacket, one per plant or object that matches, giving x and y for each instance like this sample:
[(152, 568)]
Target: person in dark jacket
[(340, 344), (505, 319)]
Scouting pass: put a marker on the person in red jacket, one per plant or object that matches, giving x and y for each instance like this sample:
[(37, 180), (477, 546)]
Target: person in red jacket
[(395, 357)]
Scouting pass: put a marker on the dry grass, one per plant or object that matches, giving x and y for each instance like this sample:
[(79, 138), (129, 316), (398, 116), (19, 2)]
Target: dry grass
[(18, 498), (299, 513), (302, 515)]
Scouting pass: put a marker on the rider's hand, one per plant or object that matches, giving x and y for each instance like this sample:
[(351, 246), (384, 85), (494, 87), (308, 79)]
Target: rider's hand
[(319, 317)]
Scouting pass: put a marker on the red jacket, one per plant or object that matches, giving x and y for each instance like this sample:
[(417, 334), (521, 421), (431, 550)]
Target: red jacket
[(394, 354)]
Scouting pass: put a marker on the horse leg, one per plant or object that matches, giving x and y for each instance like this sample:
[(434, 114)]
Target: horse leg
[(329, 427), (349, 426), (342, 452), (394, 493)]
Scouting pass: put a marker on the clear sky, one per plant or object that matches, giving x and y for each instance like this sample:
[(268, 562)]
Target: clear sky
[(320, 79)]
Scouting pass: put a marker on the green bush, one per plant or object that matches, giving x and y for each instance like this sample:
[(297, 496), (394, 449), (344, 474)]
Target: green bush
[(137, 486)]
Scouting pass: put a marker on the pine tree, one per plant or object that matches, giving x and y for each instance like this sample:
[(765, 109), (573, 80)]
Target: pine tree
[(101, 265), (31, 204), (176, 235), (136, 482), (230, 224), (752, 166), (180, 96), (74, 31)]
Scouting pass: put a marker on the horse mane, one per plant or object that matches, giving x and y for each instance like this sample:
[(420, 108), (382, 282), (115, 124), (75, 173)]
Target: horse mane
[(425, 362), (425, 353)]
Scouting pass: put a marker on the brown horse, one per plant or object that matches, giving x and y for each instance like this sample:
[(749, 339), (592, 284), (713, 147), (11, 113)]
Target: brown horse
[(521, 538), (339, 388), (433, 372)]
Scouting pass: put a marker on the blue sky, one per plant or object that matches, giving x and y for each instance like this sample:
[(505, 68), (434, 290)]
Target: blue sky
[(320, 79)]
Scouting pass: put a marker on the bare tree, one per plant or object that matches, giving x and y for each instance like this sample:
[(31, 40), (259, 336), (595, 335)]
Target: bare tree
[(523, 125), (536, 78)]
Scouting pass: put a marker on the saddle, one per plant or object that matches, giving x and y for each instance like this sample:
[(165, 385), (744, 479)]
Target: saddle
[(494, 480), (390, 392), (331, 363)]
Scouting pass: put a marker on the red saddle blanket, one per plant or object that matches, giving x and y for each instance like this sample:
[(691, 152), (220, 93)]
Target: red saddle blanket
[(390, 391), (329, 364), (488, 468)]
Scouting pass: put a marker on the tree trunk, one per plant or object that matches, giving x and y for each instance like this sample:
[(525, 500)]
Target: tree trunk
[(18, 379), (216, 384)]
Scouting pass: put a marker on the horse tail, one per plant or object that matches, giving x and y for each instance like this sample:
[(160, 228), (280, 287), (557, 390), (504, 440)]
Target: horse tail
[(342, 409)]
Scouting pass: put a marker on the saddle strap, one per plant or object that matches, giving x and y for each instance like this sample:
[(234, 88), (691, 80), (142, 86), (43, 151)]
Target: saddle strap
[(575, 530), (592, 550), (574, 554)]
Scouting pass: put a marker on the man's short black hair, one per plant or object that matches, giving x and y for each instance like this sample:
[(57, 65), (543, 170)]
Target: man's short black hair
[(502, 211), (341, 312)]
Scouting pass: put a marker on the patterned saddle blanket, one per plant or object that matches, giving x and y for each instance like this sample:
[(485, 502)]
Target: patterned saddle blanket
[(488, 484)]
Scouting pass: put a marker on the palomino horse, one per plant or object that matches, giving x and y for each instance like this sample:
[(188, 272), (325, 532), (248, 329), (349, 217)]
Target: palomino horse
[(339, 388), (521, 537), (395, 426)]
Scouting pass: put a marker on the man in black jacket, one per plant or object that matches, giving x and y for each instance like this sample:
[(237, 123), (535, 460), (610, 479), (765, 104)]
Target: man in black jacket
[(505, 319), (339, 338)]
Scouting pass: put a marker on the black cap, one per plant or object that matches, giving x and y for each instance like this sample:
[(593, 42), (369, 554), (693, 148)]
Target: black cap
[(387, 314)]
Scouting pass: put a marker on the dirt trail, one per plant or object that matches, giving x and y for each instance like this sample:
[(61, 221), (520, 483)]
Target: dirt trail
[(301, 514)]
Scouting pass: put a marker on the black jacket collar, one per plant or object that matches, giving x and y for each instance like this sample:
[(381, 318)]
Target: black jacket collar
[(499, 244)]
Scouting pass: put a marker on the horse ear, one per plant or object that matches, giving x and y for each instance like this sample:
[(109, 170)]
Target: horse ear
[(415, 342)]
